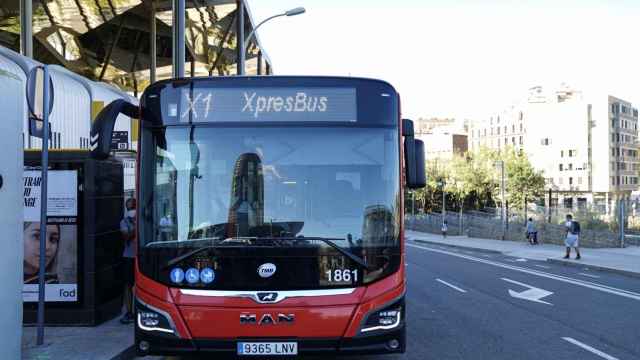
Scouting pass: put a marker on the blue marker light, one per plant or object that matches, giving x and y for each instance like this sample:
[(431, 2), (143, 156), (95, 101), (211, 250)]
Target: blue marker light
[(207, 275), (192, 275), (177, 275)]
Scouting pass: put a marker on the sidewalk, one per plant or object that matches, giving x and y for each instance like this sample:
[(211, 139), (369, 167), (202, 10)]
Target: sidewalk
[(623, 261), (110, 340)]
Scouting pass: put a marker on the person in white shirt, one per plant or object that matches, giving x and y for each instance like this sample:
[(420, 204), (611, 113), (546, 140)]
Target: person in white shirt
[(572, 230), (444, 229)]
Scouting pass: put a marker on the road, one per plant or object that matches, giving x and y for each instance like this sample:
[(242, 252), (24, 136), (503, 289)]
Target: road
[(475, 305)]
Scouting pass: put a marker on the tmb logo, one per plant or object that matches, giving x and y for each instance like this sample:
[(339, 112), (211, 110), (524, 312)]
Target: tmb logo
[(266, 270)]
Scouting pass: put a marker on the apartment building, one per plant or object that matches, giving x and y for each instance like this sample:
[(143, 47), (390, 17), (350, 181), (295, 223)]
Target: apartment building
[(444, 142), (587, 146)]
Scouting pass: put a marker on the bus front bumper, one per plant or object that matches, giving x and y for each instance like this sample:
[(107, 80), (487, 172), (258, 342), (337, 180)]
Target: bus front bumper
[(387, 343)]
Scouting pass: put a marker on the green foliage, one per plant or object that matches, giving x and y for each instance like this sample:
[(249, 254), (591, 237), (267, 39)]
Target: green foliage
[(523, 181), (473, 181)]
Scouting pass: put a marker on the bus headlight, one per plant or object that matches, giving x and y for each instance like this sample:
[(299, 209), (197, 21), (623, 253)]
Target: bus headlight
[(149, 318), (387, 318)]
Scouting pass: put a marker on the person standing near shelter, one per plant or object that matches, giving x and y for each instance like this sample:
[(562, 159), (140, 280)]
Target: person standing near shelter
[(572, 228), (444, 229), (127, 230)]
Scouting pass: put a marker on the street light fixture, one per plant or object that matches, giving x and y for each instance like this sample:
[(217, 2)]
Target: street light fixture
[(245, 45)]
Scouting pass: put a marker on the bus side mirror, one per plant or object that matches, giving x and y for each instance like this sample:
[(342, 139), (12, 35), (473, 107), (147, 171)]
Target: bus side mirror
[(414, 157), (102, 127)]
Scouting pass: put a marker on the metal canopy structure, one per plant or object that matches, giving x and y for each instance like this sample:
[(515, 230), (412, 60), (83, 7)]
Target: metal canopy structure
[(110, 40)]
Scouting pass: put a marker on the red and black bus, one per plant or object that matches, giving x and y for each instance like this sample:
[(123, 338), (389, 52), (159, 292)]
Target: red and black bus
[(270, 216)]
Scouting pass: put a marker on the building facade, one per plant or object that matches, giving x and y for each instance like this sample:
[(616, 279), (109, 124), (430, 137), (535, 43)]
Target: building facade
[(443, 138), (586, 146)]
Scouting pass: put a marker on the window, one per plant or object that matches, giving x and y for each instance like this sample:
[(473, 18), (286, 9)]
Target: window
[(513, 128), (505, 129), (545, 141), (570, 181), (485, 132), (513, 140), (505, 141), (579, 180), (613, 180), (520, 140), (570, 153), (498, 130), (560, 167), (570, 166), (520, 124), (613, 137), (561, 153), (613, 152), (613, 122)]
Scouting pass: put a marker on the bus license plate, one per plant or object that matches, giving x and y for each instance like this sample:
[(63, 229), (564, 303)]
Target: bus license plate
[(267, 348)]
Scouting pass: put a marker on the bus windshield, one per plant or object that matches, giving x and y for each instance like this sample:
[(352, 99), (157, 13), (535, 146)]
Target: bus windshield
[(236, 183)]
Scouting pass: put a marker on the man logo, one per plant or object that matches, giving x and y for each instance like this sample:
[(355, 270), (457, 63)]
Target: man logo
[(267, 296), (266, 270), (267, 319)]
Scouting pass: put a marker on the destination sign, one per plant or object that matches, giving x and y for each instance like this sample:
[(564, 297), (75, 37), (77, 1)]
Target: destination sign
[(273, 104)]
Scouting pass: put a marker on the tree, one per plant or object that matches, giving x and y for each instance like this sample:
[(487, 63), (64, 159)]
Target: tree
[(524, 183)]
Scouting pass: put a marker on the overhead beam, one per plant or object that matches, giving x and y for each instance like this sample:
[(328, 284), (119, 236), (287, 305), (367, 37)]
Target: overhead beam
[(111, 47)]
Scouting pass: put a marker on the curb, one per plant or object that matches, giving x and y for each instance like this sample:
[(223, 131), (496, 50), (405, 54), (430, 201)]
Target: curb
[(593, 267), (126, 354), (458, 246)]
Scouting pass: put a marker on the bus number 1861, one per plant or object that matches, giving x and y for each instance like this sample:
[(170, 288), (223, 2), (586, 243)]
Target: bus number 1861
[(342, 275)]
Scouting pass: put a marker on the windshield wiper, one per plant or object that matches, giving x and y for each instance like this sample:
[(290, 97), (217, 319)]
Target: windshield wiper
[(329, 241), (182, 257)]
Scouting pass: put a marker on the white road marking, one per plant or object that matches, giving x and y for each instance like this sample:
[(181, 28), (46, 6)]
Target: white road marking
[(521, 260), (451, 286), (589, 275), (589, 348), (542, 266), (532, 293), (583, 283)]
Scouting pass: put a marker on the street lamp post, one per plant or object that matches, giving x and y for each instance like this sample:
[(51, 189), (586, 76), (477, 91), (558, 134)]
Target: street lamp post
[(245, 44), (503, 211)]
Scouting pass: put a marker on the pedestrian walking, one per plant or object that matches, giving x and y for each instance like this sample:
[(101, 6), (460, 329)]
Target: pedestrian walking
[(127, 230), (532, 233), (444, 229), (572, 229)]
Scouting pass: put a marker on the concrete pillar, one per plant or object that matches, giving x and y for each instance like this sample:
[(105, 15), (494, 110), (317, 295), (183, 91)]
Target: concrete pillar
[(152, 44), (26, 28), (11, 215), (179, 14), (241, 51)]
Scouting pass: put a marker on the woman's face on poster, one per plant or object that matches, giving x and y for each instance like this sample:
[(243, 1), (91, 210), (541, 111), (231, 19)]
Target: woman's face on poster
[(32, 245)]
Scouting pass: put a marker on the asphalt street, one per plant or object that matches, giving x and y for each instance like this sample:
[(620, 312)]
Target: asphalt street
[(474, 305)]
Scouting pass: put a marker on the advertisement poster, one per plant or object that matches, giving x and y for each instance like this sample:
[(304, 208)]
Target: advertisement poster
[(61, 272)]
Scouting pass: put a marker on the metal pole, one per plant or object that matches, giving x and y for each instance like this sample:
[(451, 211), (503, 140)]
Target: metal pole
[(504, 213), (621, 220), (240, 38), (549, 207), (260, 62), (26, 28), (444, 211), (152, 46), (43, 206), (178, 38)]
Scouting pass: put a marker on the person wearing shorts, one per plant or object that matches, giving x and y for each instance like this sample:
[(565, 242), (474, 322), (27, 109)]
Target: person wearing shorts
[(572, 239)]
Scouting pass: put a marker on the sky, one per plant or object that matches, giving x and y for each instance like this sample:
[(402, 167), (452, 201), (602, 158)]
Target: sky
[(460, 58)]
